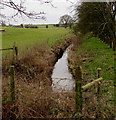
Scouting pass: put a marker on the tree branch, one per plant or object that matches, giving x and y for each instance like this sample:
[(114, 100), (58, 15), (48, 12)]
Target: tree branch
[(20, 9)]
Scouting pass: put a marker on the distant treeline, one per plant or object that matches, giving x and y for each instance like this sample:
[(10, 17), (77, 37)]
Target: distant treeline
[(34, 26), (25, 26)]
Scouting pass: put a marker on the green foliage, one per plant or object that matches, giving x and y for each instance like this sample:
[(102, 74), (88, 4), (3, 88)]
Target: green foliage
[(75, 29), (96, 17)]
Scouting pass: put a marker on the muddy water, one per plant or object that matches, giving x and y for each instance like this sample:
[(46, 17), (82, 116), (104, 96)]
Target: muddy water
[(62, 80)]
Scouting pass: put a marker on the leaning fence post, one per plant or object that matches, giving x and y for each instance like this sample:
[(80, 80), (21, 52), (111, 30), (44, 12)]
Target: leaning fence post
[(12, 86), (78, 89)]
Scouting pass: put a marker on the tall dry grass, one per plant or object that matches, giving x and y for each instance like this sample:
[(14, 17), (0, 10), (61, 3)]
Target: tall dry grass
[(34, 96)]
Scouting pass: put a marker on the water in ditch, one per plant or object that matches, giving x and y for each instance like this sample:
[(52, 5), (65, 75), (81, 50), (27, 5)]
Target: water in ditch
[(62, 80)]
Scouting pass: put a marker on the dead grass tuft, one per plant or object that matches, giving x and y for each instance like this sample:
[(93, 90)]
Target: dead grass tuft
[(34, 96)]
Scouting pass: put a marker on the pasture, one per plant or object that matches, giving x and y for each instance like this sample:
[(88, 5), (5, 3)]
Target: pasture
[(24, 38), (44, 26)]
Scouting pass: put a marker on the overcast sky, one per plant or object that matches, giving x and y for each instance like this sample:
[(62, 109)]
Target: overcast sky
[(52, 14)]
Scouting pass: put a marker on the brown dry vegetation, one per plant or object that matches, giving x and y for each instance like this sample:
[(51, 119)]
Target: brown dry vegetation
[(34, 96)]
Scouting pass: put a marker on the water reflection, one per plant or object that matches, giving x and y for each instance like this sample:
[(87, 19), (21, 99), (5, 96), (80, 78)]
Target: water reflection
[(62, 79)]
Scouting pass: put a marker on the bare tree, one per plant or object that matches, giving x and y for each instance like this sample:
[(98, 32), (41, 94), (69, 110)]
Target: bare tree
[(66, 20), (20, 9)]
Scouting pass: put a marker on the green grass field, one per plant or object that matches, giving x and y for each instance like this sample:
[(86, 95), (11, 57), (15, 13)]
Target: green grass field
[(26, 37), (98, 55), (44, 26), (93, 53)]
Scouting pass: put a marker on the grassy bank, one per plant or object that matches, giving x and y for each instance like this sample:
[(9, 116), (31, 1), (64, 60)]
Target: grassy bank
[(91, 54), (95, 54)]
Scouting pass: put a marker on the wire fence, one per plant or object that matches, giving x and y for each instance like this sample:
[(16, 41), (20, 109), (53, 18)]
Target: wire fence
[(14, 50), (79, 89)]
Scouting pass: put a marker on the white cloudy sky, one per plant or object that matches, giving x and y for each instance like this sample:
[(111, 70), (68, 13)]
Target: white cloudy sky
[(52, 14)]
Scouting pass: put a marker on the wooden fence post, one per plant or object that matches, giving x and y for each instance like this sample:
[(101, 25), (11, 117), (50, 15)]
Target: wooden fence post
[(13, 52), (78, 89), (98, 72), (98, 93), (98, 84), (16, 52), (12, 86)]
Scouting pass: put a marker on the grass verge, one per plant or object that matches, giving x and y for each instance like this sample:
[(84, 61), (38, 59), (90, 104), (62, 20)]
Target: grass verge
[(91, 54)]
